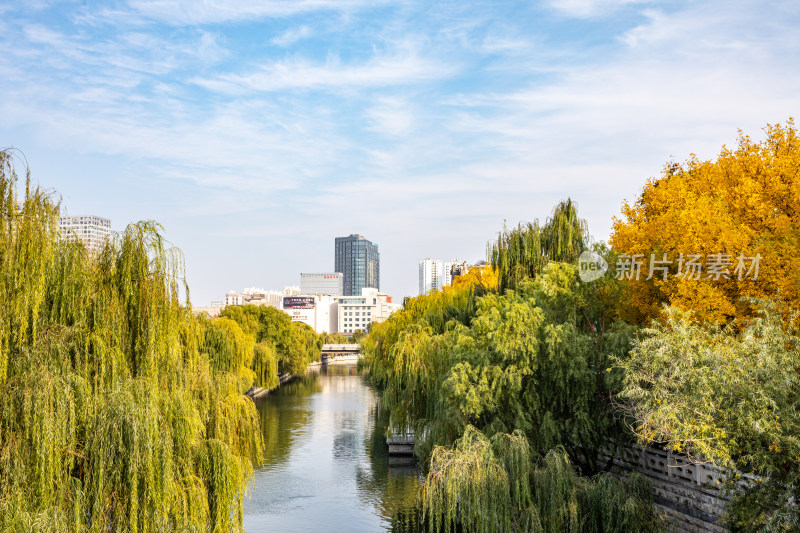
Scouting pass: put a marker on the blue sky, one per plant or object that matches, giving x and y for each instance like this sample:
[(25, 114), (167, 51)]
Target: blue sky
[(257, 131)]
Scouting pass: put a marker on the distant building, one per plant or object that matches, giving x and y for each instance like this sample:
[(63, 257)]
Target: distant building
[(359, 312), (207, 312), (430, 271), (359, 262), (435, 273), (324, 283), (291, 290), (458, 269), (254, 296), (318, 311), (91, 230)]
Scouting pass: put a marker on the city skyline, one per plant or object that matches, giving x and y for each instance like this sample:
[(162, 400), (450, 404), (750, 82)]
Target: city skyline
[(257, 133)]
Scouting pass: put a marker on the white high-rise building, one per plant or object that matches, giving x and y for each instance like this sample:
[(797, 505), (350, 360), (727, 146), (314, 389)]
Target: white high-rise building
[(92, 231), (435, 273), (430, 271)]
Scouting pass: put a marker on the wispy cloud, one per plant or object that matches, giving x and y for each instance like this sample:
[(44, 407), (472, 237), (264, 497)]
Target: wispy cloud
[(405, 68), (292, 35), (591, 8), (191, 12)]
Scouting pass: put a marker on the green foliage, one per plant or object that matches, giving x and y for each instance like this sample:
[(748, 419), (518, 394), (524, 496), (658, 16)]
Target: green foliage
[(265, 365), (726, 395), (467, 485), (488, 380), (522, 252), (295, 343), (483, 485), (536, 360), (118, 409)]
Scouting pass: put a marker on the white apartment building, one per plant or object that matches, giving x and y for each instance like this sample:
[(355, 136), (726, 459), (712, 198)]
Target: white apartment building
[(430, 271), (91, 230), (453, 267), (435, 273), (358, 312)]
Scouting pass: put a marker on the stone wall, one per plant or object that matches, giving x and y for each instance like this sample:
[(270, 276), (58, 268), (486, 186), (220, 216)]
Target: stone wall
[(687, 493)]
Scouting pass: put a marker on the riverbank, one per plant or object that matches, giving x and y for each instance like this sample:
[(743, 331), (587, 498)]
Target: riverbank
[(258, 392)]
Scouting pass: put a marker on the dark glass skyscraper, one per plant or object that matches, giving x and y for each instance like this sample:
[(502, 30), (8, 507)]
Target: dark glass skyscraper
[(359, 261)]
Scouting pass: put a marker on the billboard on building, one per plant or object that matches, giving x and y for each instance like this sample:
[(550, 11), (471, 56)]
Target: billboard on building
[(298, 302)]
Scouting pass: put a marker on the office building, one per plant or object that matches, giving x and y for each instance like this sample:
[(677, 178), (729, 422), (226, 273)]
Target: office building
[(359, 312), (359, 262), (324, 283), (92, 231)]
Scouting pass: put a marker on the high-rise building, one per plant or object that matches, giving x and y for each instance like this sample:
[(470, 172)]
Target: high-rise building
[(92, 231), (435, 273), (430, 271), (358, 260), (323, 283)]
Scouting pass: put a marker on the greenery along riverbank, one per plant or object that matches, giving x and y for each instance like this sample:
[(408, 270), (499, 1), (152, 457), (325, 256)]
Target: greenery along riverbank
[(119, 410), (516, 376)]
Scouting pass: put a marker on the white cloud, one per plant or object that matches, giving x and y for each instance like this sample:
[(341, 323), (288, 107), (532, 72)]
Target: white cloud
[(591, 8), (190, 12), (392, 116), (404, 68), (292, 35)]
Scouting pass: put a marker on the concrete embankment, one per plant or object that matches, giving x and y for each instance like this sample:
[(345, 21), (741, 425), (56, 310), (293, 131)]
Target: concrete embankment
[(257, 392)]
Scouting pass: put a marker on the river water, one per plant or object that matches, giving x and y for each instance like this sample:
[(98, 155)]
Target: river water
[(326, 466)]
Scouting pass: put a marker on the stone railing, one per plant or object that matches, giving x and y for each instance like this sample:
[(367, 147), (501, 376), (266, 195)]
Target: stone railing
[(689, 494)]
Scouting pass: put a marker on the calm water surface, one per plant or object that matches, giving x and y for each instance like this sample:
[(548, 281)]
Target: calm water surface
[(326, 466)]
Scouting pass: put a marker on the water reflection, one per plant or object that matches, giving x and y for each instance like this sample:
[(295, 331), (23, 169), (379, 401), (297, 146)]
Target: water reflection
[(326, 466)]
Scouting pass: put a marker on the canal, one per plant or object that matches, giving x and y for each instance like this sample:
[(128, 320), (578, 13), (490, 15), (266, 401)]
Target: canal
[(326, 466)]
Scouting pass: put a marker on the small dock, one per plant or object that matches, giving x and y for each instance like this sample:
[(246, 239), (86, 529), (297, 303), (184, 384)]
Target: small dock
[(401, 443)]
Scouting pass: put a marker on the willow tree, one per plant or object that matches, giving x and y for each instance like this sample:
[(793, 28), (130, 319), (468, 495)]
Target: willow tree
[(494, 485), (112, 414), (522, 252)]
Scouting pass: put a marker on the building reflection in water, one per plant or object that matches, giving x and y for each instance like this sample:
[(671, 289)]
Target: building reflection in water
[(326, 465)]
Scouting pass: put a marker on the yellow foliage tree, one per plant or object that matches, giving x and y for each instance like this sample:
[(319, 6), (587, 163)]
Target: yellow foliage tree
[(484, 277), (737, 213)]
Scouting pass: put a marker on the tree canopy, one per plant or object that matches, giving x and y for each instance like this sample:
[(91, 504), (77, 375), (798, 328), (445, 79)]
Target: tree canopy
[(118, 409), (727, 212)]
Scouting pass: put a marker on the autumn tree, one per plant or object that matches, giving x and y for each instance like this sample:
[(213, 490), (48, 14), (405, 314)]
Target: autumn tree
[(738, 214)]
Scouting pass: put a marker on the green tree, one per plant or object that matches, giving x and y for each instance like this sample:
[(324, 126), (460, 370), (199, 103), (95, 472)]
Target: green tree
[(112, 414), (522, 252), (727, 395)]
